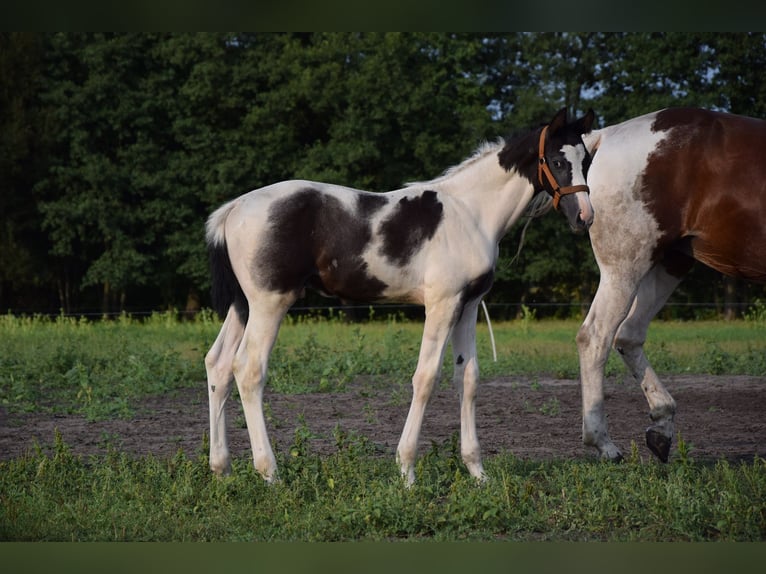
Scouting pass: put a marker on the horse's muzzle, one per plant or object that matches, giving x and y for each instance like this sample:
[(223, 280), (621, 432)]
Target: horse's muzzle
[(578, 211), (583, 222)]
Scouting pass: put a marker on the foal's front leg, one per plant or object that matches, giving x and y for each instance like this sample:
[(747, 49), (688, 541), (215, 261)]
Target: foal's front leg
[(438, 324), (466, 379)]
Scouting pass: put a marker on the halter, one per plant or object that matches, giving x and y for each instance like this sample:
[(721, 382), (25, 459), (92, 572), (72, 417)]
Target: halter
[(542, 168)]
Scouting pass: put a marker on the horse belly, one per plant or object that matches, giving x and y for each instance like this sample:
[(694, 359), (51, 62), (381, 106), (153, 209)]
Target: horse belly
[(347, 282), (728, 233), (745, 260)]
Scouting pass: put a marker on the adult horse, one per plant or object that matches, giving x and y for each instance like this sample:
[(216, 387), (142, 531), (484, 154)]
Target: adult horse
[(670, 187), (433, 243)]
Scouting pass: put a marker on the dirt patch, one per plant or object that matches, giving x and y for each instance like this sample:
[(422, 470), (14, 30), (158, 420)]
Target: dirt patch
[(720, 417)]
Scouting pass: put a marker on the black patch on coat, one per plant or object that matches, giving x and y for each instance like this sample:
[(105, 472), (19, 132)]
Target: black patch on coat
[(315, 241), (412, 222), (520, 153), (478, 287), (368, 203), (475, 289)]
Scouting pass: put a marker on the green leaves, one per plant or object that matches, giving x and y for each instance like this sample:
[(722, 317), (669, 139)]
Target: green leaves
[(116, 147)]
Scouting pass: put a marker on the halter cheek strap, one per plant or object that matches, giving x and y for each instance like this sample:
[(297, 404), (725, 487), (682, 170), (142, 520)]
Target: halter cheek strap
[(543, 169)]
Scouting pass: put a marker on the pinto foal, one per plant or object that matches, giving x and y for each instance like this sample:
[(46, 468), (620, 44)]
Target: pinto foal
[(433, 243)]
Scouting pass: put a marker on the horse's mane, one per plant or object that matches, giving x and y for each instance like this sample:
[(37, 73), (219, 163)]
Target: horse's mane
[(481, 151)]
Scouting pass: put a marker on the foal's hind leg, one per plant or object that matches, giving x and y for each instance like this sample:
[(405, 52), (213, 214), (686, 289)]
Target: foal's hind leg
[(466, 380), (218, 364), (436, 331), (652, 294), (250, 365)]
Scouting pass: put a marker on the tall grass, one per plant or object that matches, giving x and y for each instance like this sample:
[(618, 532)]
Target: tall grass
[(103, 369), (97, 369)]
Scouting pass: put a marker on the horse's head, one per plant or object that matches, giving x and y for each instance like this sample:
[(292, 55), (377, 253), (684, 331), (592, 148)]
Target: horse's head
[(563, 163)]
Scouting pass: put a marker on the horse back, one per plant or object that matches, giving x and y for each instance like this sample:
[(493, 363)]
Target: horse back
[(356, 245), (699, 180)]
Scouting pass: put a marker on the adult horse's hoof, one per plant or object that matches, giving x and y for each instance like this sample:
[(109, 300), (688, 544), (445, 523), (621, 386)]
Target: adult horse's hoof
[(658, 443)]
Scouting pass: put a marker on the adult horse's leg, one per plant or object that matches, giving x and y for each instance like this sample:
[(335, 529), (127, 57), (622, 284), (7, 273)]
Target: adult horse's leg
[(218, 364), (466, 378), (436, 330), (250, 365), (594, 340), (653, 292)]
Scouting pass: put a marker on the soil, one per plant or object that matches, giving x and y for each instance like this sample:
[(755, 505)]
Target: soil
[(532, 418)]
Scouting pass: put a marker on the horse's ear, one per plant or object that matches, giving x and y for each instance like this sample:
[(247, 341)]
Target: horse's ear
[(558, 121), (584, 124)]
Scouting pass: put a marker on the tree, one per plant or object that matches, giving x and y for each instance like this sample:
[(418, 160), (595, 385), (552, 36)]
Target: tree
[(114, 148), (91, 205), (22, 161)]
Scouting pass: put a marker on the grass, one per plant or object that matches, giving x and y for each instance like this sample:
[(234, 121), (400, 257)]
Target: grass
[(354, 496), (97, 369), (103, 369)]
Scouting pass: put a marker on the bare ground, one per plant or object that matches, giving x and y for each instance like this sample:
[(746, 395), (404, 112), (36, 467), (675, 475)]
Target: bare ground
[(533, 418)]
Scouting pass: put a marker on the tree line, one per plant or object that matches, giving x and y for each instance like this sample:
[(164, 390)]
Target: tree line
[(114, 148)]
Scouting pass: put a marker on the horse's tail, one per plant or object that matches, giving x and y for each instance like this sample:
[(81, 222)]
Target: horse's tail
[(225, 290)]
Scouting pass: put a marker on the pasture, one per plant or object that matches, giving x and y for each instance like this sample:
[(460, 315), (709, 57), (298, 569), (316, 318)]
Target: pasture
[(103, 430)]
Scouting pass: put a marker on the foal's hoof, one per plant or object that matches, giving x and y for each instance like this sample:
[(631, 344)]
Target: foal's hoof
[(658, 443)]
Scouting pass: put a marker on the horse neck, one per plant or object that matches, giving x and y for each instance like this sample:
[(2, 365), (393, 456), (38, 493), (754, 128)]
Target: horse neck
[(495, 198)]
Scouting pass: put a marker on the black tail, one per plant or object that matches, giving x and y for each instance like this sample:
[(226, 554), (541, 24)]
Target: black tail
[(226, 290)]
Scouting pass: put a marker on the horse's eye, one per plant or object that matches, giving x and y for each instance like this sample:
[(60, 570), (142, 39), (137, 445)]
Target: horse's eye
[(558, 164)]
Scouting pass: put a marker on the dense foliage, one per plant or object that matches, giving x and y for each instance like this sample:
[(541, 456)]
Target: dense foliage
[(115, 147)]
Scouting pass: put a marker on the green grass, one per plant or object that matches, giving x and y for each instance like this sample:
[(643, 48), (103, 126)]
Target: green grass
[(97, 369), (355, 496), (103, 369)]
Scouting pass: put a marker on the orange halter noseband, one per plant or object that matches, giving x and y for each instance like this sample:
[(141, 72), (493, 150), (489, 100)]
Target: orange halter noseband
[(543, 169)]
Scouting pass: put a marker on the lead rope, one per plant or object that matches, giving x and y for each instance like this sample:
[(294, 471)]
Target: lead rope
[(491, 333)]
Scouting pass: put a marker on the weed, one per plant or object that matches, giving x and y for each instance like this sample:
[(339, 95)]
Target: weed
[(370, 414), (551, 407), (756, 314), (716, 360), (528, 316), (684, 450)]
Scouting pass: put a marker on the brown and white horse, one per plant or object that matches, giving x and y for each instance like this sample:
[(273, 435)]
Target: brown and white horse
[(670, 187), (433, 243)]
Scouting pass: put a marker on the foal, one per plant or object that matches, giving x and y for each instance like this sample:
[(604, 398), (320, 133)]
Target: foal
[(433, 243)]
